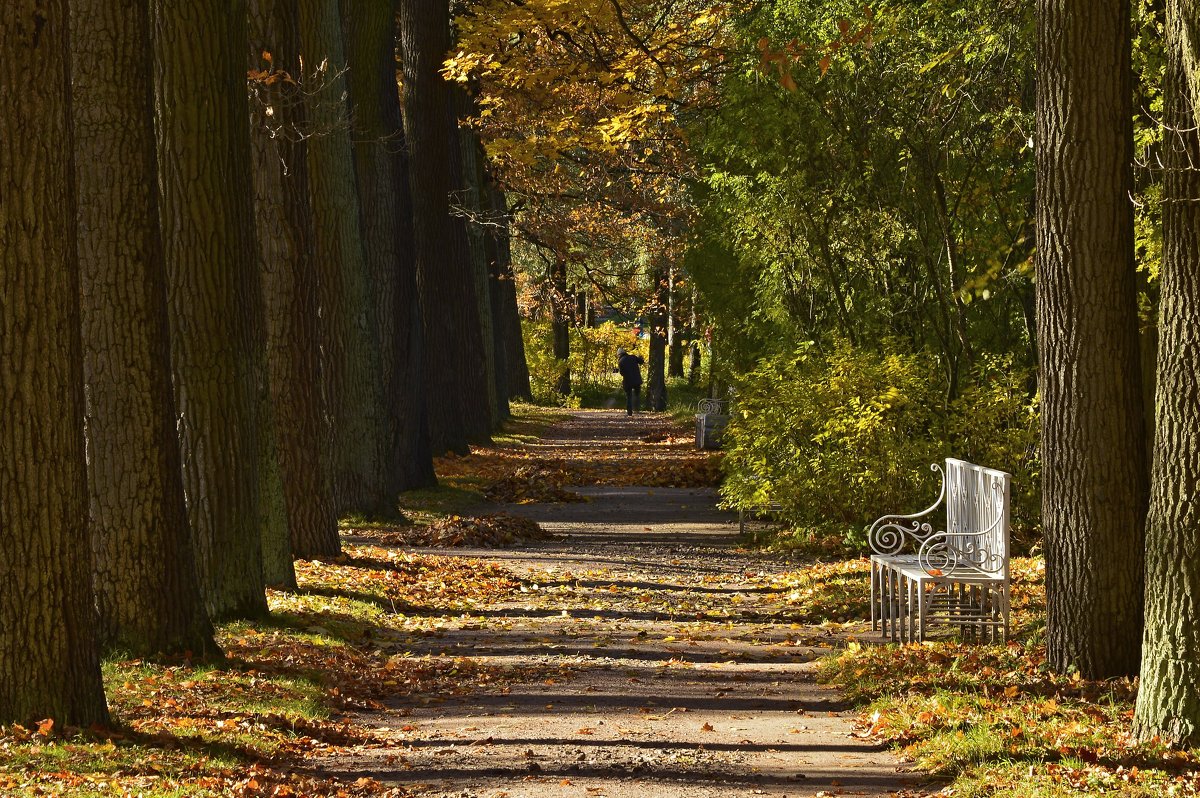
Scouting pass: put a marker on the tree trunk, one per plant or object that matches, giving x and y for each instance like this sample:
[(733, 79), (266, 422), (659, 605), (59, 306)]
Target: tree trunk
[(656, 376), (1094, 475), (381, 164), (49, 666), (1168, 704), (208, 233), (694, 347), (517, 377), (289, 279), (496, 296), (470, 189), (674, 339), (144, 572), (352, 378), (454, 367), (560, 325)]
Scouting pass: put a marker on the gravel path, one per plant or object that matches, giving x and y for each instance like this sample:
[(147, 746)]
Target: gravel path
[(677, 671)]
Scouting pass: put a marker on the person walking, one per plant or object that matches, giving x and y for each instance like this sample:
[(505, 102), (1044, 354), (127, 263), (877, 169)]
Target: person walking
[(630, 368)]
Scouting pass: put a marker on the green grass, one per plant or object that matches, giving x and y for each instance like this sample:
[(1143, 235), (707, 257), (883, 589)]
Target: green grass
[(527, 423), (454, 497)]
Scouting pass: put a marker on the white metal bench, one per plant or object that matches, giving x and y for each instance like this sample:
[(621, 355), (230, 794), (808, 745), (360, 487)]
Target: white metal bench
[(957, 577)]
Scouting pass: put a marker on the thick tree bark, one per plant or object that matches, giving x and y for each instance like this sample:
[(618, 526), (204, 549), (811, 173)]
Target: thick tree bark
[(454, 367), (1168, 704), (516, 367), (382, 168), (49, 666), (286, 257), (144, 571), (353, 378), (1093, 448), (278, 570), (213, 287)]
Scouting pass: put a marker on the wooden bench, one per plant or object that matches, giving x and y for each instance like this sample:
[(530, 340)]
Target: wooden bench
[(956, 577)]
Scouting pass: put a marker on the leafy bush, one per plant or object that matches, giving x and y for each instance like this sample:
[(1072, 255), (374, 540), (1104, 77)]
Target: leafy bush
[(836, 439), (544, 369)]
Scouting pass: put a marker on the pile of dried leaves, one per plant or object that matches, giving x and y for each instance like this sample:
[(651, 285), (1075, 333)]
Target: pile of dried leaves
[(532, 483), (488, 531), (406, 581)]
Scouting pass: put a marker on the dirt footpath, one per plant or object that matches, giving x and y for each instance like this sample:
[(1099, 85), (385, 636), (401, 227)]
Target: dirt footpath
[(671, 666)]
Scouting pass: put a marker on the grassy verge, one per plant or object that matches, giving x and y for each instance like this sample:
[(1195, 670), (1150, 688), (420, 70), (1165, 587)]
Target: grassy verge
[(527, 424), (359, 631), (991, 720)]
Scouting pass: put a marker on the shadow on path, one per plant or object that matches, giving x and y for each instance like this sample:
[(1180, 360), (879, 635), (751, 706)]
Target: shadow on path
[(677, 668)]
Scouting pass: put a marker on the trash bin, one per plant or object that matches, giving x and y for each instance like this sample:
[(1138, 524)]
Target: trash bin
[(709, 427)]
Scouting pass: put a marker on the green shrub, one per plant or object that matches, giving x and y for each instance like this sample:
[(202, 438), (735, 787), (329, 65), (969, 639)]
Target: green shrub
[(839, 438)]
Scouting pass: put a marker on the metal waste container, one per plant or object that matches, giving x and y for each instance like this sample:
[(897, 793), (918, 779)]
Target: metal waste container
[(711, 420)]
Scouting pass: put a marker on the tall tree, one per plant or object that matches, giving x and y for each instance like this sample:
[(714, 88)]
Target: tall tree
[(1093, 448), (144, 571), (49, 666), (469, 214), (657, 321), (278, 124), (516, 367), (352, 372), (562, 308), (674, 337), (1168, 704), (455, 371), (213, 287), (381, 165), (495, 285)]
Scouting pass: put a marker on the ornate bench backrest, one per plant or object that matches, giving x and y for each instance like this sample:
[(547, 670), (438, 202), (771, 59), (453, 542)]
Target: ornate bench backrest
[(715, 406), (977, 519)]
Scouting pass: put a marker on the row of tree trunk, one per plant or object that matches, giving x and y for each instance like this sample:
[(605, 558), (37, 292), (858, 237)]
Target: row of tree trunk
[(231, 310), (1123, 588)]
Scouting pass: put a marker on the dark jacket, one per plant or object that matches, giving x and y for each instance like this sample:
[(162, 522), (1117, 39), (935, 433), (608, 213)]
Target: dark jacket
[(631, 371)]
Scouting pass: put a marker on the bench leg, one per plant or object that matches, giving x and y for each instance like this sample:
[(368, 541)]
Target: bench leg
[(893, 582), (1004, 608), (922, 607), (887, 602), (874, 596), (912, 616)]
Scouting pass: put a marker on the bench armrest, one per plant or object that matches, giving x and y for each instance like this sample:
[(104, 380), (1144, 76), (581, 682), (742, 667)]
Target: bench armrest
[(889, 534), (941, 557)]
